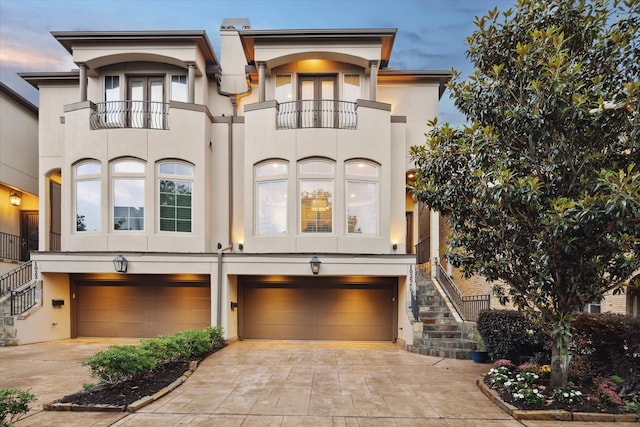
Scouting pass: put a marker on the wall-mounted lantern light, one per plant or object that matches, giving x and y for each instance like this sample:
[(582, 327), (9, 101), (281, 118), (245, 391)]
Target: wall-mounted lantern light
[(120, 264), (315, 265), (395, 246), (234, 305), (15, 197)]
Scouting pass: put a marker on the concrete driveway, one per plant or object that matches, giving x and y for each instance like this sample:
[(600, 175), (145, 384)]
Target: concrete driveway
[(255, 383)]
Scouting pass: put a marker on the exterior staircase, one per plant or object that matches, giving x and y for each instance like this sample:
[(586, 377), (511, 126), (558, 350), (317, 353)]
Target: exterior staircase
[(19, 293), (441, 335), (8, 334)]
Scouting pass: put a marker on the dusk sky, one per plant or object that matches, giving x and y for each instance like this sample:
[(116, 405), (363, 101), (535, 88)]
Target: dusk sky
[(431, 33)]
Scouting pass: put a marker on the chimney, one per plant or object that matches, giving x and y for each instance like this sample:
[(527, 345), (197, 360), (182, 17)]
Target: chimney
[(232, 60)]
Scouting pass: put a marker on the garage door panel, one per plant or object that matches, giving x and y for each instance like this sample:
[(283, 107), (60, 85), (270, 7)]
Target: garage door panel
[(303, 312), (141, 311)]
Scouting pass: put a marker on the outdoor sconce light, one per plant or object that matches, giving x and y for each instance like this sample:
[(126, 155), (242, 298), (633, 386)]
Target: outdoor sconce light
[(395, 246), (15, 197), (315, 265), (57, 302), (120, 264), (240, 246), (234, 305)]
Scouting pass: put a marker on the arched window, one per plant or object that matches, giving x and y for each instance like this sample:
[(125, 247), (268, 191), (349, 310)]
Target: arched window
[(175, 183), (362, 179), (87, 176), (316, 195), (128, 194), (271, 197)]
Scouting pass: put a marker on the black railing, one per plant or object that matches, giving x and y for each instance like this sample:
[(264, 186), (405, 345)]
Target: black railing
[(130, 114), (317, 113), (15, 278), (54, 242), (467, 307), (423, 252), (415, 307), (15, 248), (23, 299)]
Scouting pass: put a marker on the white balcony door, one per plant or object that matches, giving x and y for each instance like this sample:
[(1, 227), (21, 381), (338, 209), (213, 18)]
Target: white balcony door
[(146, 95), (317, 93)]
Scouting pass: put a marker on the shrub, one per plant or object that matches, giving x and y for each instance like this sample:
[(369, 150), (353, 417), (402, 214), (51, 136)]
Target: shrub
[(609, 344), (217, 337), (608, 392), (13, 404), (184, 345), (194, 343), (509, 335), (119, 363), (161, 348)]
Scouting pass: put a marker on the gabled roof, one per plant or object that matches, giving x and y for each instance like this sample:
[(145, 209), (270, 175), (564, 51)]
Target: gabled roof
[(199, 37), (18, 98), (385, 36)]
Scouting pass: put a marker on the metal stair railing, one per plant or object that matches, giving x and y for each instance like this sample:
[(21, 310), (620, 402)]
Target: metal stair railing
[(467, 307), (23, 299), (16, 278)]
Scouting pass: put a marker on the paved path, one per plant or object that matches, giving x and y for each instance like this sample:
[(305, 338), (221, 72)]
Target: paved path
[(254, 383)]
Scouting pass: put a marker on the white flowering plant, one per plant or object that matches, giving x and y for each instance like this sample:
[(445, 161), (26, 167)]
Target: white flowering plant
[(567, 395), (498, 376), (532, 396)]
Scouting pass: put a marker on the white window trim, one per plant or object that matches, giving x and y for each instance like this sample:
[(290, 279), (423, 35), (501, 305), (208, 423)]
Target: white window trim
[(365, 179), (85, 178), (271, 178), (175, 177), (115, 176)]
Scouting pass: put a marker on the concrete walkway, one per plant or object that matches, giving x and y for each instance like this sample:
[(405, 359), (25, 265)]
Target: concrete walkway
[(275, 384)]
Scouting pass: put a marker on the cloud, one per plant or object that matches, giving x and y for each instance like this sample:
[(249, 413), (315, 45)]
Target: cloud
[(30, 57)]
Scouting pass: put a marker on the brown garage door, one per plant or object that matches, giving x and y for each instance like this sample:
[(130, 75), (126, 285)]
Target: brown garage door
[(318, 312), (141, 311)]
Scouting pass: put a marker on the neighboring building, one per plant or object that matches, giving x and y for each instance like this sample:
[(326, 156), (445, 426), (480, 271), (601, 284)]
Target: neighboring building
[(18, 178), (431, 224), (222, 181)]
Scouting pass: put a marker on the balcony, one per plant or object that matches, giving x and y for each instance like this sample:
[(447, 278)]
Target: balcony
[(130, 114), (317, 113)]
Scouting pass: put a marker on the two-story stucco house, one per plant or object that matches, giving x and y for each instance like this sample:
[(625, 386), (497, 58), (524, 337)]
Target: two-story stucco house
[(261, 189)]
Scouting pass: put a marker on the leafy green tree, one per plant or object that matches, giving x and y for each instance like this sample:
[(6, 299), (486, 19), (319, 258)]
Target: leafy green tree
[(542, 186)]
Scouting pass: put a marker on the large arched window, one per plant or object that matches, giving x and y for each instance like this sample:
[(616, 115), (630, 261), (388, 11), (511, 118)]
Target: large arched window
[(88, 175), (128, 194), (175, 184), (316, 195), (271, 197), (362, 197)]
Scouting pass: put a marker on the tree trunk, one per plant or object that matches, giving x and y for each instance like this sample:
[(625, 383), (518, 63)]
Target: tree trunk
[(559, 362)]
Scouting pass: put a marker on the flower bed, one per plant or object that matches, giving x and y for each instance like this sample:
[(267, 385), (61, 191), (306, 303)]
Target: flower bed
[(526, 387)]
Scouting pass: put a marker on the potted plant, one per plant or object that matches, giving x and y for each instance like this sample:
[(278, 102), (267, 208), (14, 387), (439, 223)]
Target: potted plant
[(480, 354)]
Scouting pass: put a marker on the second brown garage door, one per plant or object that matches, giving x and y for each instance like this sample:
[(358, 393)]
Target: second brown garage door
[(345, 312)]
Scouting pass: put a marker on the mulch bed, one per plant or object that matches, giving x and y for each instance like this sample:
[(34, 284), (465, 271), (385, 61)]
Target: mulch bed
[(127, 392)]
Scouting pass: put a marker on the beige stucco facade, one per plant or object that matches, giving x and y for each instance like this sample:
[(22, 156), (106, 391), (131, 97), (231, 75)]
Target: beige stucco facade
[(143, 103)]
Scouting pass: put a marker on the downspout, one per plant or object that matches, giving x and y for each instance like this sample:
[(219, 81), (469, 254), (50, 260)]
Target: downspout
[(219, 310)]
